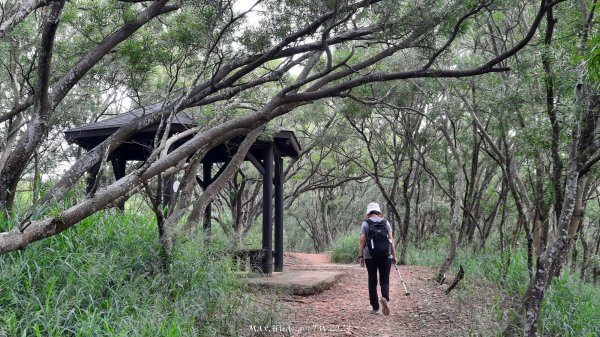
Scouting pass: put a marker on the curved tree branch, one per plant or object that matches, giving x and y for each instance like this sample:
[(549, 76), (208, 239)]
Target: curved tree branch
[(20, 13)]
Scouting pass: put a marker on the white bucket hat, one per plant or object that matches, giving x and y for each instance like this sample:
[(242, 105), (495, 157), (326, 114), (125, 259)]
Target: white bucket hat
[(373, 207)]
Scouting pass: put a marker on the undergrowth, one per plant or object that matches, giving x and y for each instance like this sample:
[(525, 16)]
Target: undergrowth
[(570, 308), (345, 250), (106, 277)]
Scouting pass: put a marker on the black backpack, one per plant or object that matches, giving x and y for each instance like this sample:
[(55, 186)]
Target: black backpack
[(377, 239)]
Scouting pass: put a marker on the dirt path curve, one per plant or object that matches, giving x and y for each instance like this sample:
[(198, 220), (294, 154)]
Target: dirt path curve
[(344, 309)]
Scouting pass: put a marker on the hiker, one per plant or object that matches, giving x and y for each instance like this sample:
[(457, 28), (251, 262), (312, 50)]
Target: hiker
[(376, 236)]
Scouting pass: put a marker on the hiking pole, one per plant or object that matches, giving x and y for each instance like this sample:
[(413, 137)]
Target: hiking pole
[(406, 292)]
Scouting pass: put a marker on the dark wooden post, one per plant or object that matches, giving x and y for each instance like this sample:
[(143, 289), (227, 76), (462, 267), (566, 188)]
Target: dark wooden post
[(119, 164), (168, 193), (278, 212), (267, 232), (90, 179), (206, 177)]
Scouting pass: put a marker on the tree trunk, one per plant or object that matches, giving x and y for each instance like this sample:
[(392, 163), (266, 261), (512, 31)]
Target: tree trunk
[(456, 209), (471, 202), (432, 219), (406, 197), (38, 126), (503, 217), (576, 218), (491, 219), (585, 254), (551, 111), (575, 253), (37, 178), (456, 215), (596, 270), (534, 296), (551, 261)]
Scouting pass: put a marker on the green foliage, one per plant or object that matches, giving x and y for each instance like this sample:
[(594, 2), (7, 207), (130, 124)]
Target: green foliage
[(136, 50), (345, 249), (254, 237), (429, 253), (508, 270), (186, 27), (6, 224), (106, 277), (593, 62), (255, 40), (571, 308)]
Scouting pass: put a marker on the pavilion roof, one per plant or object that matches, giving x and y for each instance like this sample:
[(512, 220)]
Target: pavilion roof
[(137, 147)]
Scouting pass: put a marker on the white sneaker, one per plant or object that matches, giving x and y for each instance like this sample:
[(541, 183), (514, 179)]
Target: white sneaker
[(375, 312), (384, 306)]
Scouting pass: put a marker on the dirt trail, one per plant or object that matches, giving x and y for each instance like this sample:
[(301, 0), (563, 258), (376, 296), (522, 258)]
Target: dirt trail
[(344, 309)]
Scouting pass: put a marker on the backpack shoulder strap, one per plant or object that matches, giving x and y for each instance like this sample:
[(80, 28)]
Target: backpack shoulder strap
[(386, 222), (369, 224)]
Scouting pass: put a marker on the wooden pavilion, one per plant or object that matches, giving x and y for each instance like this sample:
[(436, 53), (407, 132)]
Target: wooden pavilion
[(266, 156)]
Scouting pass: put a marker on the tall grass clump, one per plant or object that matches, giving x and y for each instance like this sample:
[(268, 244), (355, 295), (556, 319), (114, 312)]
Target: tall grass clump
[(508, 270), (106, 277), (345, 249), (429, 253), (571, 308)]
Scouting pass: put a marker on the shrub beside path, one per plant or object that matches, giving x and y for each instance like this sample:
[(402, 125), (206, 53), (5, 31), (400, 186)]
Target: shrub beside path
[(344, 310)]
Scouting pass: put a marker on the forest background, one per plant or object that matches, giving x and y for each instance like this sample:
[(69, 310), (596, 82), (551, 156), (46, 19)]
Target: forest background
[(474, 124)]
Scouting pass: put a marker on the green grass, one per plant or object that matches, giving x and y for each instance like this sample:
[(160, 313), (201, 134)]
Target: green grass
[(492, 266), (345, 249), (105, 277), (570, 308), (431, 253)]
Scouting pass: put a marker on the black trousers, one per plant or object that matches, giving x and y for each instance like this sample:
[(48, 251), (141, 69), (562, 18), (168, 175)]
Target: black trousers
[(383, 266)]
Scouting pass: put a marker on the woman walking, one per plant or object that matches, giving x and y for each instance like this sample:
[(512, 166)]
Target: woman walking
[(376, 251)]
